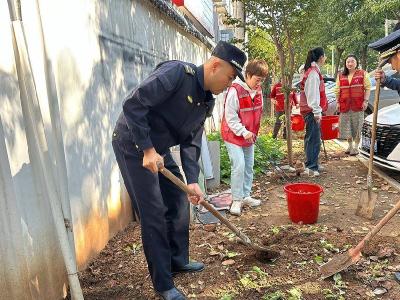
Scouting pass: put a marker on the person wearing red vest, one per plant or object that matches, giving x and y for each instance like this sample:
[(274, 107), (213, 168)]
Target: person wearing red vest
[(352, 91), (312, 103), (239, 129), (278, 99)]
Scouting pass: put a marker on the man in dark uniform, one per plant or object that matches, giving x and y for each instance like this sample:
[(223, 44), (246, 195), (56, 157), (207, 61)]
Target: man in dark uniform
[(167, 109), (389, 46)]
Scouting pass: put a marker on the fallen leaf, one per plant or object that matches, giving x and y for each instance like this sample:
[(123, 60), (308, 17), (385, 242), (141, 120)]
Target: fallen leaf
[(386, 252), (228, 262), (379, 291)]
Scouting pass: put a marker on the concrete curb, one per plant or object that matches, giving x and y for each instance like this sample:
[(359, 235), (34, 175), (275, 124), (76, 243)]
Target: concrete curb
[(393, 183)]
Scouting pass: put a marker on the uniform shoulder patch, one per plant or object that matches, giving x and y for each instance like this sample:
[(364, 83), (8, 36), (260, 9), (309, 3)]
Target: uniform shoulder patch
[(189, 70)]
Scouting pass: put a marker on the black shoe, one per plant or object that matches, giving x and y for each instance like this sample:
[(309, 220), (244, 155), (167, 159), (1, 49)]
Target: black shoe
[(193, 266), (172, 294)]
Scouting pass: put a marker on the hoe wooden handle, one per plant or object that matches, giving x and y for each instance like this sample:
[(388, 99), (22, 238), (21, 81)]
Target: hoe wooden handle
[(207, 205), (377, 227)]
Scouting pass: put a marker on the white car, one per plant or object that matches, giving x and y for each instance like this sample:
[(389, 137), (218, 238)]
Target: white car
[(387, 144)]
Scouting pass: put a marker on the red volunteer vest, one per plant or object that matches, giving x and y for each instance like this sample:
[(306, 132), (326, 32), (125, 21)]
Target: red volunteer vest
[(351, 93), (280, 97), (250, 111), (323, 103)]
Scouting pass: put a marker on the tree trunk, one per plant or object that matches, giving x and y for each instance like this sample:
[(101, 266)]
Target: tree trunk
[(239, 30), (363, 58), (285, 85), (338, 58)]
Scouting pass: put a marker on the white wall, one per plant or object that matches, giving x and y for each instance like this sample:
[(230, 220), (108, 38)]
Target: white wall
[(98, 50)]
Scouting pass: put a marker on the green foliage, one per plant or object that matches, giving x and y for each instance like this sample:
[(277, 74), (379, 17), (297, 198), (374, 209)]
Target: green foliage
[(338, 289), (331, 295), (226, 297), (135, 248), (319, 259), (328, 246), (224, 157), (294, 294), (260, 45), (231, 254), (259, 272), (266, 150), (248, 282), (275, 230), (278, 295)]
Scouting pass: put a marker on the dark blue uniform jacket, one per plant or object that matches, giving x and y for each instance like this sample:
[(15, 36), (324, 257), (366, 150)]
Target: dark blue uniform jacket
[(167, 109), (393, 84)]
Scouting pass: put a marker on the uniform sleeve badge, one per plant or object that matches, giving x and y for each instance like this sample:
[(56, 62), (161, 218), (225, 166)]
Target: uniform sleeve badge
[(189, 70)]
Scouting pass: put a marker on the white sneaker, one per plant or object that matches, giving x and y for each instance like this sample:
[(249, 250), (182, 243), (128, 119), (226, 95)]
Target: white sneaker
[(349, 148), (236, 207), (354, 151), (249, 201), (310, 173), (321, 168), (316, 174)]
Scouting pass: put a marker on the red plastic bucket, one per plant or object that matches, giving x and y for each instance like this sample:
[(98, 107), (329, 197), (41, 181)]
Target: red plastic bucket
[(329, 127), (297, 122), (303, 201)]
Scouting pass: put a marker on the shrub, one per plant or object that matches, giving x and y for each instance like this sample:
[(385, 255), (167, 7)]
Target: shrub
[(267, 149)]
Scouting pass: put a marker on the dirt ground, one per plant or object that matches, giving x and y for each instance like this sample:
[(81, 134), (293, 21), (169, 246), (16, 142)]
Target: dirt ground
[(235, 272)]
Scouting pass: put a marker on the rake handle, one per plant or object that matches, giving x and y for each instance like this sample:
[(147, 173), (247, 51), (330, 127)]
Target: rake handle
[(167, 173), (377, 227)]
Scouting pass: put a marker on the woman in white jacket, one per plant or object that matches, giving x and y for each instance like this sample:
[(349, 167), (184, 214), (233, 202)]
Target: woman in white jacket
[(239, 129), (312, 103)]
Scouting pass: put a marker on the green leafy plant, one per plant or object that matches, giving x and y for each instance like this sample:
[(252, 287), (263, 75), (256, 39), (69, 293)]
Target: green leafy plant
[(278, 295), (319, 259), (267, 149), (331, 295), (377, 269), (259, 272), (248, 282), (230, 254), (328, 246), (275, 230), (135, 248), (294, 294), (226, 296), (338, 291)]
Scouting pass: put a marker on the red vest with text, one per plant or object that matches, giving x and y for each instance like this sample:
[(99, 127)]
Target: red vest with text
[(351, 95), (323, 103), (276, 93), (250, 111)]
